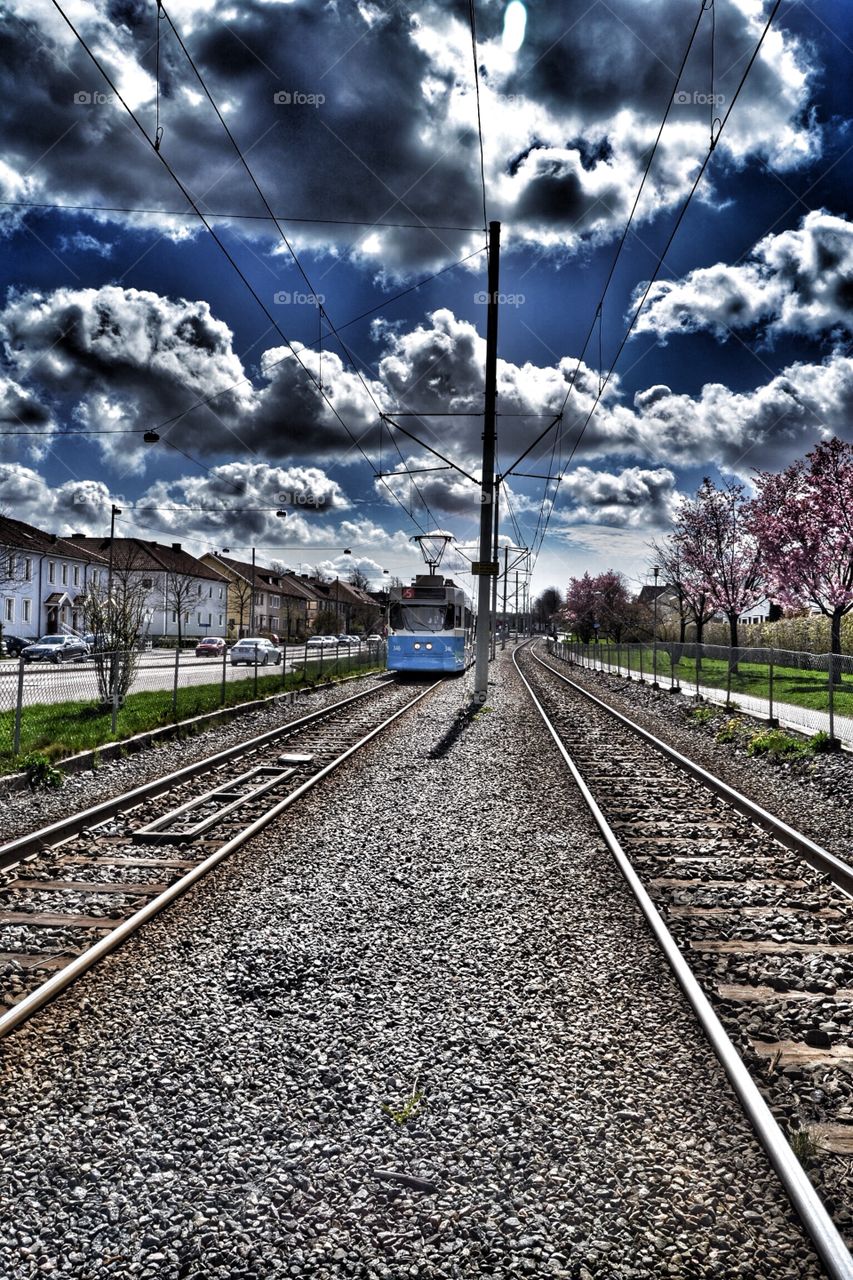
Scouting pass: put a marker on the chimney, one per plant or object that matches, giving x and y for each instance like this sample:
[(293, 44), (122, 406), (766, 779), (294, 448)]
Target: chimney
[(176, 546), (77, 537)]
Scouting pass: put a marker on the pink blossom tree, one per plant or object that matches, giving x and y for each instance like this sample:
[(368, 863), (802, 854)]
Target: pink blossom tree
[(802, 519), (599, 604), (580, 607), (719, 552)]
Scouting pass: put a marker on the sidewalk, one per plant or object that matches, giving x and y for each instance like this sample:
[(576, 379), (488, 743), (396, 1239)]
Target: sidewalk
[(806, 720)]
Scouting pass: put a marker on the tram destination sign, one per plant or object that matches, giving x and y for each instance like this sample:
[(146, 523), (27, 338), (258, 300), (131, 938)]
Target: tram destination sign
[(485, 568)]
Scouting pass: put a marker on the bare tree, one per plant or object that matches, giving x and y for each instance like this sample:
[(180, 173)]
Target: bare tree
[(358, 578), (181, 593), (115, 608), (241, 590)]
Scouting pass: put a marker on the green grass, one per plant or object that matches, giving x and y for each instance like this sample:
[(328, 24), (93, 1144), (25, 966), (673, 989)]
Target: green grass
[(801, 688), (61, 729)]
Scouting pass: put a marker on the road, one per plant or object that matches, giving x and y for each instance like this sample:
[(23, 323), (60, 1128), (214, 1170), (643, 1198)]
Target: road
[(77, 681)]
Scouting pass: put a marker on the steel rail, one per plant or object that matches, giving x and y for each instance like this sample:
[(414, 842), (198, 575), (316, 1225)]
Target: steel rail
[(48, 991), (65, 828), (810, 1208), (816, 856)]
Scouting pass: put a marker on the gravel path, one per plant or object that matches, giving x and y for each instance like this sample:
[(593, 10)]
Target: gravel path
[(430, 967), (25, 811)]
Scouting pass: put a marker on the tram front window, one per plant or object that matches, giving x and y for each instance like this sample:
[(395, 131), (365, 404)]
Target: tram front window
[(419, 617)]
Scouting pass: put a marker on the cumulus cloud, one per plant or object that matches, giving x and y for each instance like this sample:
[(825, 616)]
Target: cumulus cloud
[(631, 498), (370, 112), (799, 281), (76, 506), (239, 500), (766, 428), (126, 359)]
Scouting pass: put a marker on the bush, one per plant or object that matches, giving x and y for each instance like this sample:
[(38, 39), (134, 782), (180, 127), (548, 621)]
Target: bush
[(731, 731), (773, 742), (703, 714)]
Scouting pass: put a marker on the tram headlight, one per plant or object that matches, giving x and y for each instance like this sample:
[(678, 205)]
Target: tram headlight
[(416, 645), (427, 646)]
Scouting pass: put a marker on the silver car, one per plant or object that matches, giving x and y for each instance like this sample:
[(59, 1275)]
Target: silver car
[(254, 649), (56, 649)]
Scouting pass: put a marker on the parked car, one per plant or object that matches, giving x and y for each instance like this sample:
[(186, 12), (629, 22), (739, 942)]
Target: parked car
[(210, 647), (254, 649), (13, 646), (103, 642), (317, 642), (374, 640), (56, 649)]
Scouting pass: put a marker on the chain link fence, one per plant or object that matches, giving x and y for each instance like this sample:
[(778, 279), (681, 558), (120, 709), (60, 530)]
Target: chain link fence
[(809, 692), (57, 709)]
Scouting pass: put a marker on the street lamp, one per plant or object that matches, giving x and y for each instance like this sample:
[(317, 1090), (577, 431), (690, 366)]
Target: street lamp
[(655, 571), (114, 511)]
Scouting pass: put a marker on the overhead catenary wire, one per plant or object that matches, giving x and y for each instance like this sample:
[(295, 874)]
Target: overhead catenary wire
[(597, 314), (472, 19), (662, 256), (222, 247), (236, 217), (299, 266)]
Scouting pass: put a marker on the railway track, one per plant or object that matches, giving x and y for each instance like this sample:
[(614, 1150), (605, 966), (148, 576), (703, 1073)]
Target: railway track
[(753, 918), (72, 892)]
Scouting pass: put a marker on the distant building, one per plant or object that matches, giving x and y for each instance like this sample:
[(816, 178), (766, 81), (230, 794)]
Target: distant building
[(176, 583), (272, 602)]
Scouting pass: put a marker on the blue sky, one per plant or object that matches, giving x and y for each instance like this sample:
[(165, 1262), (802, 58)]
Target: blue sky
[(126, 320)]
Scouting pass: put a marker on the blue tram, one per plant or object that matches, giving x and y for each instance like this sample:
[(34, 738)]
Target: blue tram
[(431, 626)]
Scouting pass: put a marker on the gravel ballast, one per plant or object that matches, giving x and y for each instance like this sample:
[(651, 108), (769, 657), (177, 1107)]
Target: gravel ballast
[(417, 1028), (813, 794), (25, 811)]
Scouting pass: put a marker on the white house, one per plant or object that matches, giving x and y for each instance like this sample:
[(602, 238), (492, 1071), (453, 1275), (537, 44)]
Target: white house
[(41, 578)]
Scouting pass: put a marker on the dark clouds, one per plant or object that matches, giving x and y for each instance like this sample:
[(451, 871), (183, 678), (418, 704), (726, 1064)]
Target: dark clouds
[(375, 116)]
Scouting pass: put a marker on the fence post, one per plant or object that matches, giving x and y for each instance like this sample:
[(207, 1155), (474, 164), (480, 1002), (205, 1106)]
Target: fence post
[(255, 684), (830, 673), (729, 680), (305, 662), (224, 676), (771, 719), (698, 664), (655, 661), (114, 715), (640, 678), (16, 745), (175, 680)]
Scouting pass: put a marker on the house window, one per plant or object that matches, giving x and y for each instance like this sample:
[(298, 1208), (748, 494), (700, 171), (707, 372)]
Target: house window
[(28, 570), (220, 620), (275, 602), (174, 615), (220, 597), (199, 619), (65, 575), (28, 610), (76, 576), (9, 609)]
